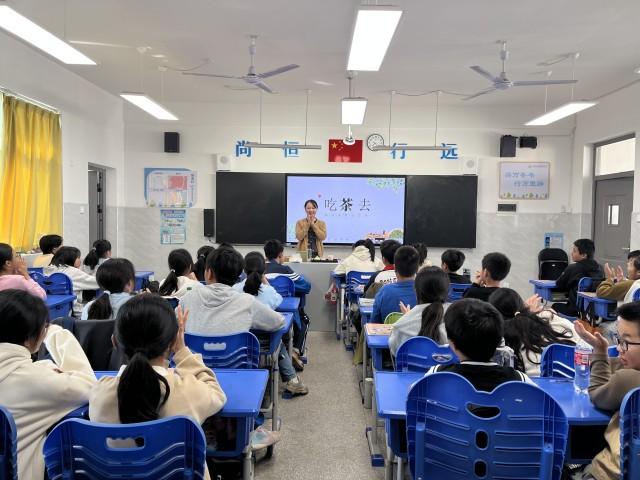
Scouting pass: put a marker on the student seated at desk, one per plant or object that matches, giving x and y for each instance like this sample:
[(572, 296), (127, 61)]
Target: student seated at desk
[(611, 379), (274, 252), (181, 279), (615, 286), (67, 260), (425, 319), (145, 389), (362, 259), (14, 273), (388, 250), (99, 253), (256, 283), (423, 252), (452, 261), (218, 309), (529, 328), (117, 279), (475, 330), (495, 268), (584, 266), (49, 244), (390, 296), (38, 394), (201, 261)]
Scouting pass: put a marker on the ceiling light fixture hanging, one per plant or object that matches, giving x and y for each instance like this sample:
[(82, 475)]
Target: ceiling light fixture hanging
[(304, 146), (391, 146), (353, 108), (374, 28)]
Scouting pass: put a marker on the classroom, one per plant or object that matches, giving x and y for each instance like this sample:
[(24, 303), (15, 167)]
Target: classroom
[(433, 204)]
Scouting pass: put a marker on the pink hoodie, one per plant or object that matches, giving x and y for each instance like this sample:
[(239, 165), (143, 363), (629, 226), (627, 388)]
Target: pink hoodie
[(20, 283)]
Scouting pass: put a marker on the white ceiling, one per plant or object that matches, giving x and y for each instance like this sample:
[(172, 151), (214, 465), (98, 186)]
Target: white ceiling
[(436, 42)]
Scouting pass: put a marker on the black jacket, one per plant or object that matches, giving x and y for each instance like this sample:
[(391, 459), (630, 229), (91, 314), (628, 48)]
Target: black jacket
[(569, 279)]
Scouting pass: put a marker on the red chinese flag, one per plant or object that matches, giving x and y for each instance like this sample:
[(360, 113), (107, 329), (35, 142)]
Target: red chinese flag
[(341, 152)]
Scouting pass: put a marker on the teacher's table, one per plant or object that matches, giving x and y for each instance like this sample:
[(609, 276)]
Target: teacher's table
[(321, 312)]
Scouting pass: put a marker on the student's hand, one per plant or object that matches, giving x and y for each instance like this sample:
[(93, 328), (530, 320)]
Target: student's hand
[(182, 321), (596, 340), (534, 303), (608, 272), (405, 308), (478, 278), (619, 273), (20, 267), (192, 276)]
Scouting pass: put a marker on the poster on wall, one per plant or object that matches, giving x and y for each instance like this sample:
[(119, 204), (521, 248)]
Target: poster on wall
[(524, 181), (170, 187), (173, 227)]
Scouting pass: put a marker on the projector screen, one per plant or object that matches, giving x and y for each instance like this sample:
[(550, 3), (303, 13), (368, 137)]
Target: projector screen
[(353, 207)]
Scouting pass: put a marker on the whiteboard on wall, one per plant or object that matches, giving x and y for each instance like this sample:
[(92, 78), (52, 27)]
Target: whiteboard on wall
[(524, 180)]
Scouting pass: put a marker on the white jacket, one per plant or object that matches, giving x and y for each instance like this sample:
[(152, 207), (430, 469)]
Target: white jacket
[(38, 396), (359, 261), (185, 284), (408, 326), (80, 280)]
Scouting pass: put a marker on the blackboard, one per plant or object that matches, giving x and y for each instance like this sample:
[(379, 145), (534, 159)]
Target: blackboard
[(441, 210), (250, 207)]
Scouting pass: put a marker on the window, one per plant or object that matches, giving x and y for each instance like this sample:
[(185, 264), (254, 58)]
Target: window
[(613, 215), (616, 157)]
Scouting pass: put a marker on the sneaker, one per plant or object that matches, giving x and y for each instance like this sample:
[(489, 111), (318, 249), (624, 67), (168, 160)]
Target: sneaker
[(296, 362), (296, 387), (263, 438)]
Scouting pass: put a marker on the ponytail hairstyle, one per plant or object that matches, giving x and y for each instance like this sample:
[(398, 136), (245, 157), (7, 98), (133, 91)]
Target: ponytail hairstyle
[(113, 277), (201, 262), (180, 263), (146, 328), (523, 329), (432, 287), (254, 267), (100, 248), (65, 257), (369, 244)]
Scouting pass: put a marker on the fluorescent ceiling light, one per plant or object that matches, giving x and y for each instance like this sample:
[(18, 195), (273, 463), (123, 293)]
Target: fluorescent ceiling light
[(353, 110), (22, 27), (560, 112), (372, 34), (140, 100)]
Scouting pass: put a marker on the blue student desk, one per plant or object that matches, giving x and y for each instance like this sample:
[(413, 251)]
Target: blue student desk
[(275, 340), (602, 307), (547, 290), (59, 305), (289, 304), (365, 310), (141, 276), (340, 280)]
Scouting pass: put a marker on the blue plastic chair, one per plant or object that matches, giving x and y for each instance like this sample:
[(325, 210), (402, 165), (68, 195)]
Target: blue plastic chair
[(630, 436), (39, 270), (37, 277), (174, 302), (636, 295), (236, 350), (283, 285), (8, 444), (57, 284), (557, 360), (456, 291), (525, 438), (418, 354), (356, 281), (169, 448)]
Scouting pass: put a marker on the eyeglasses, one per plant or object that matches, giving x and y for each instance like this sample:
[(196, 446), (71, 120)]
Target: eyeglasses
[(624, 344)]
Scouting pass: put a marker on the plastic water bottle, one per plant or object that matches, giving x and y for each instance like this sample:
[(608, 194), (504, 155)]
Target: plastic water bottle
[(581, 362)]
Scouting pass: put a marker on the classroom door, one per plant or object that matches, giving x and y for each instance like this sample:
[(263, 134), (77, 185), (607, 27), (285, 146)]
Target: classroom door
[(96, 203), (612, 227)]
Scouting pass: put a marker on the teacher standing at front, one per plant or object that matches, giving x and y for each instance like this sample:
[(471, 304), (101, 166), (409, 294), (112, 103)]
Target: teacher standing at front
[(310, 231)]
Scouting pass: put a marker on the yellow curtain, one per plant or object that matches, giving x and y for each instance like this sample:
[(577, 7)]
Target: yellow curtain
[(30, 174)]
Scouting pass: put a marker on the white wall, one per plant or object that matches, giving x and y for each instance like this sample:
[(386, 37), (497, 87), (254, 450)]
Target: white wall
[(92, 128), (210, 129)]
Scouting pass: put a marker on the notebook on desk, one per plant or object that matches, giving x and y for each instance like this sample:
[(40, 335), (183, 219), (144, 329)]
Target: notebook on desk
[(378, 329)]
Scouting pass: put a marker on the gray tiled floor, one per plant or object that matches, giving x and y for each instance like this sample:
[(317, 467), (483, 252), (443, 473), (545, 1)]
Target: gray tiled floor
[(323, 432)]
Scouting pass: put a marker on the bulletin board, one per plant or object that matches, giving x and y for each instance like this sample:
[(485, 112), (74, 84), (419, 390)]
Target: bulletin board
[(524, 180)]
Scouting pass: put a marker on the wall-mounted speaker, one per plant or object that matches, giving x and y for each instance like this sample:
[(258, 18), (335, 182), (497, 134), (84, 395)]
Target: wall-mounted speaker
[(209, 222), (171, 142), (469, 165), (224, 163), (508, 146), (528, 142)]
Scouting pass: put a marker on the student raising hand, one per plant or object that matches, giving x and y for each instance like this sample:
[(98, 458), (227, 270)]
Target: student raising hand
[(534, 303), (596, 340), (183, 315), (405, 308)]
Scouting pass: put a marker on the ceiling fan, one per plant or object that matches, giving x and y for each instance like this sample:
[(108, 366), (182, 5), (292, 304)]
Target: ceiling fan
[(252, 78), (502, 82)]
